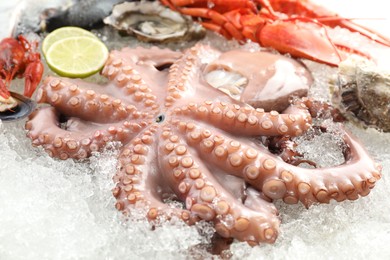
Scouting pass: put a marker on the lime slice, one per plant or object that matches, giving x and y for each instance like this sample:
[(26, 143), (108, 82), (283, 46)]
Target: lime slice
[(77, 57), (62, 33)]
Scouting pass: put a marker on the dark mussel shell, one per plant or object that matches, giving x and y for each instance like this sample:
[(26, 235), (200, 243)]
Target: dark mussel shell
[(23, 109)]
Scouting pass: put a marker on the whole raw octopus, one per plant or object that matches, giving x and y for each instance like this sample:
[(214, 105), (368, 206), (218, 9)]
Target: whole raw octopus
[(187, 141)]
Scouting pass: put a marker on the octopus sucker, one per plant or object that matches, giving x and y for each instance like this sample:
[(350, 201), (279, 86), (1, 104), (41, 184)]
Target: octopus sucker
[(186, 144)]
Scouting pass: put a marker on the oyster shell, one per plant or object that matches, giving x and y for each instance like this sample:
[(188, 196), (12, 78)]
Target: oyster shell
[(16, 107), (362, 92), (153, 22)]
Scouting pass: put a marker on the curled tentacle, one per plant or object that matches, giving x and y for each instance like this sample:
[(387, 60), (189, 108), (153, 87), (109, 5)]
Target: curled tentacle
[(280, 180), (207, 199), (136, 184)]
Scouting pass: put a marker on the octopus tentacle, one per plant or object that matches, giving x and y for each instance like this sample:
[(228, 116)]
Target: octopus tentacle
[(356, 176), (71, 100), (280, 180), (205, 197), (245, 120), (44, 130), (181, 73), (128, 69), (135, 184), (129, 79)]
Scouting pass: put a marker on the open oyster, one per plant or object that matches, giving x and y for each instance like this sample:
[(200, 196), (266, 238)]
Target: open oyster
[(153, 22), (16, 107), (362, 92)]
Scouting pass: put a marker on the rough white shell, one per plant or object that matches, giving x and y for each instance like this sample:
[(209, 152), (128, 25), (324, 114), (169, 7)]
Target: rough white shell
[(153, 22), (362, 92)]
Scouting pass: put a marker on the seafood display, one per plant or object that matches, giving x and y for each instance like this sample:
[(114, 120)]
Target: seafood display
[(186, 141), (202, 148), (288, 26), (18, 58), (362, 92), (153, 22)]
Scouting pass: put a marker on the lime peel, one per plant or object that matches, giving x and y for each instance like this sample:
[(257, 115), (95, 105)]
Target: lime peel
[(61, 33), (77, 56)]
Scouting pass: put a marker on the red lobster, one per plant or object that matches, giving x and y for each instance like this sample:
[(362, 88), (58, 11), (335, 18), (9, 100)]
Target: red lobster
[(18, 57), (289, 26)]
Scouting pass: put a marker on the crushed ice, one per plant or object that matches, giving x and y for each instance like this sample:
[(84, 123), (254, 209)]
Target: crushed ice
[(323, 147)]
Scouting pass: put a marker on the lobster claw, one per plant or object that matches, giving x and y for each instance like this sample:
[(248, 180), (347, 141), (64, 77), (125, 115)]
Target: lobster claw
[(32, 75), (354, 27), (4, 93), (301, 41)]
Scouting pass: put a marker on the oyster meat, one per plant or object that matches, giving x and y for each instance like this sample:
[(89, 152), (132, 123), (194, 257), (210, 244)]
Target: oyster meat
[(362, 92), (153, 22)]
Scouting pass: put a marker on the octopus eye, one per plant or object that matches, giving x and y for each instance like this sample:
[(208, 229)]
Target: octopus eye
[(160, 119), (163, 66), (63, 121)]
